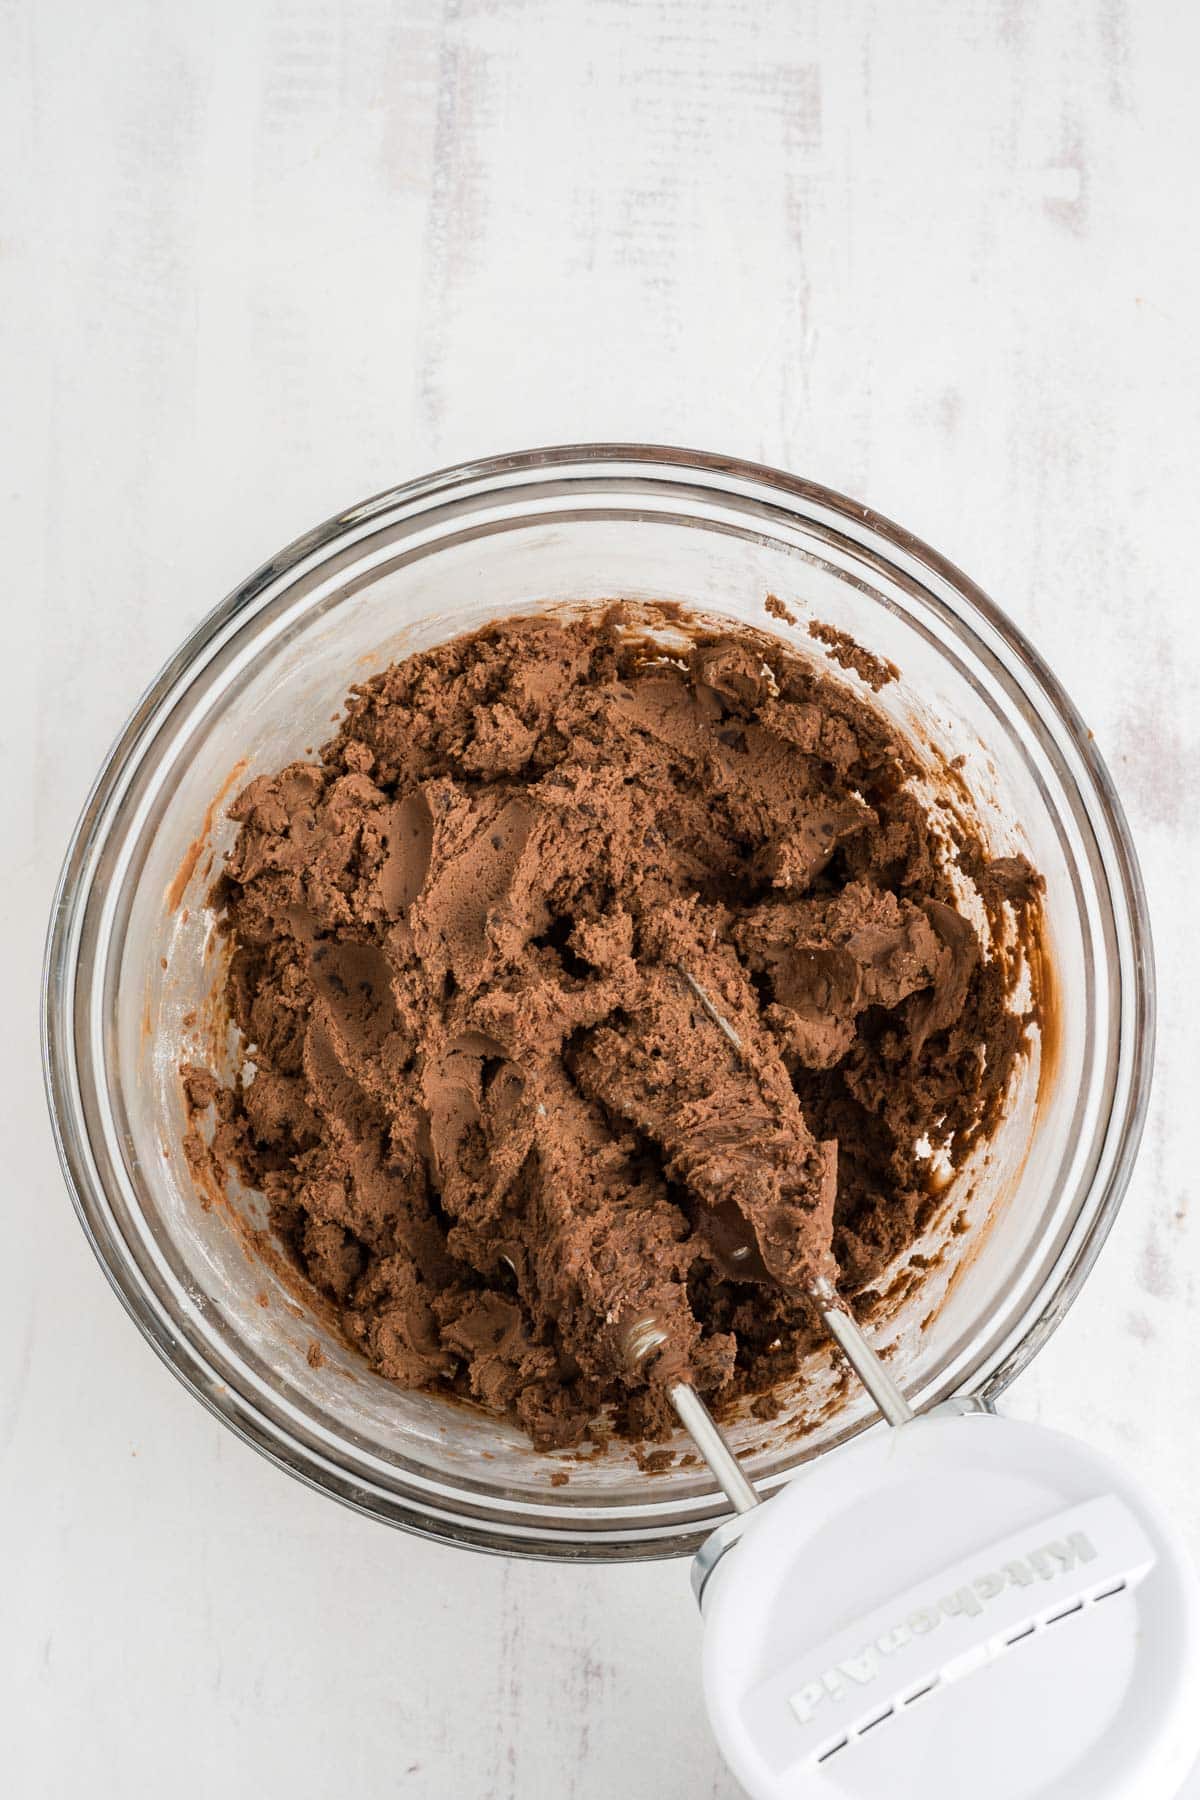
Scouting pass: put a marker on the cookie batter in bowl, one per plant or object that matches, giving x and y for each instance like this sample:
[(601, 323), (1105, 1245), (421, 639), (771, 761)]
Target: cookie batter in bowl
[(137, 971), (489, 1114)]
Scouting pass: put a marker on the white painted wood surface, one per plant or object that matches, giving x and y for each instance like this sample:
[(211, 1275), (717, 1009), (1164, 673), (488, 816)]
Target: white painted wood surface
[(259, 260)]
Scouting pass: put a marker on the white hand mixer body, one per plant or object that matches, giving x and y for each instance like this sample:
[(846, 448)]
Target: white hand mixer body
[(965, 1605)]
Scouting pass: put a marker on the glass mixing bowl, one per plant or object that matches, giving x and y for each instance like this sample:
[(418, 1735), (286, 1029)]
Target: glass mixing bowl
[(132, 963)]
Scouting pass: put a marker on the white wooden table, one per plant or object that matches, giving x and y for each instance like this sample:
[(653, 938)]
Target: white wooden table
[(259, 260)]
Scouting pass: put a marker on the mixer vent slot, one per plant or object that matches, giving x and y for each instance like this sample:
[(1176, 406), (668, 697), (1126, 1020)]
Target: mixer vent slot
[(1018, 1637), (880, 1718)]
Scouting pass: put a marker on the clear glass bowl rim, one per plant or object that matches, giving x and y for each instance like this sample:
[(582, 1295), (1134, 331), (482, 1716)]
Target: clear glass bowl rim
[(600, 463)]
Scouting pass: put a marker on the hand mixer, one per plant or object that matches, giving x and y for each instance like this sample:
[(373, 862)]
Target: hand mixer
[(961, 1606)]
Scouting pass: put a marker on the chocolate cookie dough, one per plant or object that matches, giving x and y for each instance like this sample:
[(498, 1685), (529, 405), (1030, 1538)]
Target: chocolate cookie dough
[(492, 1117)]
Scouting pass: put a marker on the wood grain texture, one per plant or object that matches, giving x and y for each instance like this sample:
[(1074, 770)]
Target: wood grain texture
[(262, 258)]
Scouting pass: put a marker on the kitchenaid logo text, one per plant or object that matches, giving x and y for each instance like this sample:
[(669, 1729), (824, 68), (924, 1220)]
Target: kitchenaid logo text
[(1042, 1564)]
